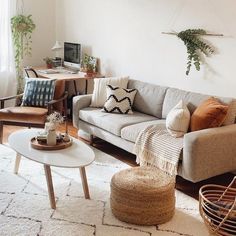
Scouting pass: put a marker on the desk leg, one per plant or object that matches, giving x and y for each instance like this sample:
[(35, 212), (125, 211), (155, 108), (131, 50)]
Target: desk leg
[(17, 163), (86, 86), (84, 182), (47, 170), (75, 87)]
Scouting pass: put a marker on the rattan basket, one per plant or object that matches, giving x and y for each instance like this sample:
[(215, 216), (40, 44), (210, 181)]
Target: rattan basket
[(217, 205)]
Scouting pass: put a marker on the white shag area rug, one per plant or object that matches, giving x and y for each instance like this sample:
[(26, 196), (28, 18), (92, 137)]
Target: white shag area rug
[(25, 208)]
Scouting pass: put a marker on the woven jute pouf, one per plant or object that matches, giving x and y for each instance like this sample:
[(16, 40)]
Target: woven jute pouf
[(143, 196)]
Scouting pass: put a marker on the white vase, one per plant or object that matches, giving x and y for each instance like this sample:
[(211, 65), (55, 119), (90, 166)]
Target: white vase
[(51, 137)]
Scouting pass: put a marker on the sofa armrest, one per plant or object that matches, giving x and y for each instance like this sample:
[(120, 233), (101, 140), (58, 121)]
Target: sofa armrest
[(209, 152), (80, 102)]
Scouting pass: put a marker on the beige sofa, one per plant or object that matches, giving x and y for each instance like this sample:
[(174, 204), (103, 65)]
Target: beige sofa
[(206, 153)]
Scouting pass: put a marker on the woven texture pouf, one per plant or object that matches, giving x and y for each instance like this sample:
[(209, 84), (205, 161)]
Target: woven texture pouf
[(143, 196)]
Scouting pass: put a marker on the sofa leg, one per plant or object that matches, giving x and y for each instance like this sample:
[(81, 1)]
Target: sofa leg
[(91, 140), (1, 132)]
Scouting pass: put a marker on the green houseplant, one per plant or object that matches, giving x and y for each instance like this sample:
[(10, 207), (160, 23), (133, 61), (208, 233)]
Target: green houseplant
[(22, 28), (195, 46), (49, 62), (89, 64)]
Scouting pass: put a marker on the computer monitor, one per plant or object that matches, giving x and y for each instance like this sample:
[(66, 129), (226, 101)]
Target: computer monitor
[(72, 55)]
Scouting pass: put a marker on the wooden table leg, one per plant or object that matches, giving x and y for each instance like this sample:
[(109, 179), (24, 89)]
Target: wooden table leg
[(48, 175), (84, 182), (17, 163)]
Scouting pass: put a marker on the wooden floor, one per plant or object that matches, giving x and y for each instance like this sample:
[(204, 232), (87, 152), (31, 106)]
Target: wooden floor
[(185, 186)]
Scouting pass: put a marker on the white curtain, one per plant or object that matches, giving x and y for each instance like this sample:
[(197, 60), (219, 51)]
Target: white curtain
[(7, 66)]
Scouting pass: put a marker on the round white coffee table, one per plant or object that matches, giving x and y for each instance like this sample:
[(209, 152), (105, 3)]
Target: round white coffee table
[(78, 155)]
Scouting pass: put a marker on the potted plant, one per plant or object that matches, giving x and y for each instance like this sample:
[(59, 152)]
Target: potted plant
[(49, 62), (22, 28), (89, 64)]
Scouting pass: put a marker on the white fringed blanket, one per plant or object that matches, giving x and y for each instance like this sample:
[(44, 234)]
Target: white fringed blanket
[(156, 147)]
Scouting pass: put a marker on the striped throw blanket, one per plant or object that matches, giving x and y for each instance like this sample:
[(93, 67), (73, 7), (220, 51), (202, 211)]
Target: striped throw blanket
[(156, 147)]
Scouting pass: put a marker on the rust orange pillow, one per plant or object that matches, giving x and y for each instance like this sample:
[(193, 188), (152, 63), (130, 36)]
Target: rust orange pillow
[(210, 113)]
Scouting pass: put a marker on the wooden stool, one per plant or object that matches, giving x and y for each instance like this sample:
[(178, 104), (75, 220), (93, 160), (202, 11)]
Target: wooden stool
[(143, 196)]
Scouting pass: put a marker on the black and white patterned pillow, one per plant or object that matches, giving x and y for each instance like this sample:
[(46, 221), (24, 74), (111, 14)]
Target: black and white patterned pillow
[(38, 92), (119, 100)]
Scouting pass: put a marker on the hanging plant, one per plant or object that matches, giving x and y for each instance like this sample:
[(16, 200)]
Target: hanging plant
[(22, 27), (195, 46)]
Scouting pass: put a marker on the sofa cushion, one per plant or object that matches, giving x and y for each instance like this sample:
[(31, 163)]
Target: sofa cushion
[(193, 100), (177, 120), (231, 114), (149, 97), (131, 132), (119, 100), (112, 122), (209, 114), (99, 96)]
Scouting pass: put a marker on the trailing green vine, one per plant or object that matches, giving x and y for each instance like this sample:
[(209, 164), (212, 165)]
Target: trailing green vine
[(195, 45), (22, 27)]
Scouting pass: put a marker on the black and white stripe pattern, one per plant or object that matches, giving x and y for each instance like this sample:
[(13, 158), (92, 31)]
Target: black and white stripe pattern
[(155, 146), (119, 100), (38, 92)]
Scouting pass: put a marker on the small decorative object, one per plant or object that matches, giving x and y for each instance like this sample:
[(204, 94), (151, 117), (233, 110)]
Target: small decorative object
[(89, 64), (49, 62), (40, 143), (22, 28), (51, 137), (195, 45), (218, 208), (66, 137), (54, 120)]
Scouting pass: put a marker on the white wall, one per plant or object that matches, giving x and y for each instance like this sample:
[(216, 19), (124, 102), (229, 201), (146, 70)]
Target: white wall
[(43, 15), (126, 36)]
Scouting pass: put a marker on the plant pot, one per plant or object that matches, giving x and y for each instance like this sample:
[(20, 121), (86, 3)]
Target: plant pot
[(22, 27), (49, 66), (90, 73)]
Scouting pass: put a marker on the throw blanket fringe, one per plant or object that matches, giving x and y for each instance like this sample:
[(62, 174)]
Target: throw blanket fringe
[(156, 147)]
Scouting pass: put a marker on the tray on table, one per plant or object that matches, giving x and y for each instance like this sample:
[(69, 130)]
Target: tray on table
[(41, 145)]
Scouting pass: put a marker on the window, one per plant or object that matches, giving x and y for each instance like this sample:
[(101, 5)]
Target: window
[(7, 67)]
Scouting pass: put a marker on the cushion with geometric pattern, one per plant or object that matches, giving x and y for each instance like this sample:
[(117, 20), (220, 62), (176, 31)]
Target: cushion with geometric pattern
[(38, 92), (119, 100)]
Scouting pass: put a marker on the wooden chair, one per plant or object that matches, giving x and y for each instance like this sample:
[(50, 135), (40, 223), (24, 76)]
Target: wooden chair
[(30, 72), (32, 116)]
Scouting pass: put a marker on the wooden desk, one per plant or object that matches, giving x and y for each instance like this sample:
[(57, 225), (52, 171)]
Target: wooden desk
[(69, 77)]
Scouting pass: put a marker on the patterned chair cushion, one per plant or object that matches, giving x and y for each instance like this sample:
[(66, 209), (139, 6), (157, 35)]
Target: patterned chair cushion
[(38, 92)]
